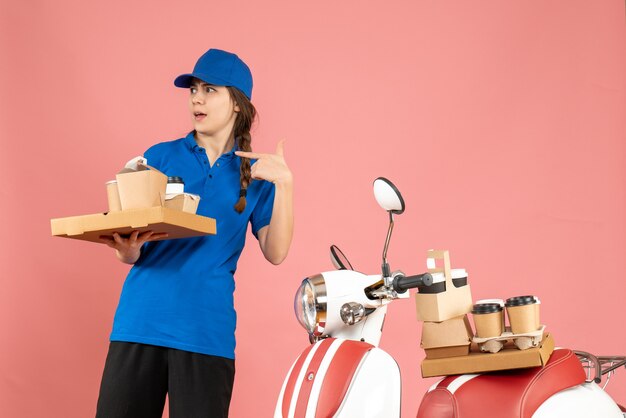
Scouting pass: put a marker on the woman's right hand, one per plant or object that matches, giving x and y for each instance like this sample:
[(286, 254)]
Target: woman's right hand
[(129, 249)]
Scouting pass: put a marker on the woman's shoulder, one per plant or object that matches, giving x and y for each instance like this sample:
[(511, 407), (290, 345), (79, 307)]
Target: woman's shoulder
[(160, 149), (166, 145)]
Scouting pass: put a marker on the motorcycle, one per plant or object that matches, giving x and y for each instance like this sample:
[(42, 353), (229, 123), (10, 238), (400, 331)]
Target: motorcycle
[(343, 373)]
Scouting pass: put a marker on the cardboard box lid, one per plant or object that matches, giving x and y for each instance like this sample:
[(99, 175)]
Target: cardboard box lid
[(477, 362), (139, 163), (453, 332), (182, 196), (184, 201), (157, 219)]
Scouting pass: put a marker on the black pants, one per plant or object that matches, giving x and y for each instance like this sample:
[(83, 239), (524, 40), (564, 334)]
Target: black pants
[(137, 377)]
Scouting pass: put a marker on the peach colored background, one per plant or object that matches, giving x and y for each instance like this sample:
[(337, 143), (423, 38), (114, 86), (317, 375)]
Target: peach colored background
[(503, 124)]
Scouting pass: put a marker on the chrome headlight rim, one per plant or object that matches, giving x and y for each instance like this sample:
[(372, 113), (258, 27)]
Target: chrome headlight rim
[(318, 286)]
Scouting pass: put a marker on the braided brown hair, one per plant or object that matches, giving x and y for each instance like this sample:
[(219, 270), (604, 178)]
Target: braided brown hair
[(241, 130)]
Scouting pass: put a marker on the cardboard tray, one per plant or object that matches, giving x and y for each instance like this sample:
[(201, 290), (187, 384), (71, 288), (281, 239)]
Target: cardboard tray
[(476, 362), (522, 341), (176, 223)]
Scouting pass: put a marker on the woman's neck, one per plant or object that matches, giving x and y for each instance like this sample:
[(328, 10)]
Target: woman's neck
[(215, 145)]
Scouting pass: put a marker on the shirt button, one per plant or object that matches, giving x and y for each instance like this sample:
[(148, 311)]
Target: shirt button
[(218, 164), (205, 162), (210, 176)]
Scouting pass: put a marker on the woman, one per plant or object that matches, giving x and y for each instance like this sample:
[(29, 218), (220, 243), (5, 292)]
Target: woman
[(174, 326)]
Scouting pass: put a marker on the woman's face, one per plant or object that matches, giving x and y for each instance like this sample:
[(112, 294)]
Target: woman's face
[(212, 109)]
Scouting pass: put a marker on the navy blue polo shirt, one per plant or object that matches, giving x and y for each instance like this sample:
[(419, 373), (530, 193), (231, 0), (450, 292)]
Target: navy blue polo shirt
[(179, 293)]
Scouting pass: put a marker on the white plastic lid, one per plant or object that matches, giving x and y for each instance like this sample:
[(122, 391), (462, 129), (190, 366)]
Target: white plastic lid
[(438, 277), (458, 273)]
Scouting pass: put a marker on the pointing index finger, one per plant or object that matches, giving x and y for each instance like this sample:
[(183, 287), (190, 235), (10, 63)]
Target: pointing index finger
[(248, 154)]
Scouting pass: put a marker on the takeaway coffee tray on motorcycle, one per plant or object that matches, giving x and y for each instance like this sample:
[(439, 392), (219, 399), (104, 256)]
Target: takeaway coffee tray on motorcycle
[(176, 223), (521, 341), (510, 357)]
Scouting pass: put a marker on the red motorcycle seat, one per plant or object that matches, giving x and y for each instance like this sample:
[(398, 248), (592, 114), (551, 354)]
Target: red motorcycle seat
[(509, 394)]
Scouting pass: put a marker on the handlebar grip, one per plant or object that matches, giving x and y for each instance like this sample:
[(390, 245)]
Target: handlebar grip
[(402, 284)]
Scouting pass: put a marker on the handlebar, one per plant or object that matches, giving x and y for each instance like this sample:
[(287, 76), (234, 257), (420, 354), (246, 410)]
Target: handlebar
[(403, 283)]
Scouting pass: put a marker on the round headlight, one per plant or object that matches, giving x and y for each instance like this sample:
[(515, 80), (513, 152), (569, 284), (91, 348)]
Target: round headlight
[(310, 305)]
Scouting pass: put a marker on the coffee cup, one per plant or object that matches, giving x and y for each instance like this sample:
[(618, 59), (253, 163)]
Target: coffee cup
[(497, 302), (438, 285), (113, 196), (523, 312), (488, 319), (175, 185), (459, 279)]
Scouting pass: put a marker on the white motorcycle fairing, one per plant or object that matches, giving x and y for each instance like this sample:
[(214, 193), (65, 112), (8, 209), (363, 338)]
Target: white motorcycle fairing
[(339, 378), (345, 286), (587, 400)]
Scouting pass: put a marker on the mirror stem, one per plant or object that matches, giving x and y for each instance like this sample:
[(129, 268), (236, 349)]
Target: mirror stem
[(385, 266)]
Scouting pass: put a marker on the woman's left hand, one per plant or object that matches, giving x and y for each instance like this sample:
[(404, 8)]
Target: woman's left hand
[(269, 167)]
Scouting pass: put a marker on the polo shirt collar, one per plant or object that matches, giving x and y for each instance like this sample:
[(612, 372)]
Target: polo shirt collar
[(193, 145), (190, 141), (231, 154)]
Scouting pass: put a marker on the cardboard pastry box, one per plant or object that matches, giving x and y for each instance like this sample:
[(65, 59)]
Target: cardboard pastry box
[(157, 219), (476, 362), (140, 186), (449, 338)]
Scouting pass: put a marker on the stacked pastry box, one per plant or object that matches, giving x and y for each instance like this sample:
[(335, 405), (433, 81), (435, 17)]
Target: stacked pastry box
[(447, 337), (140, 198)]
